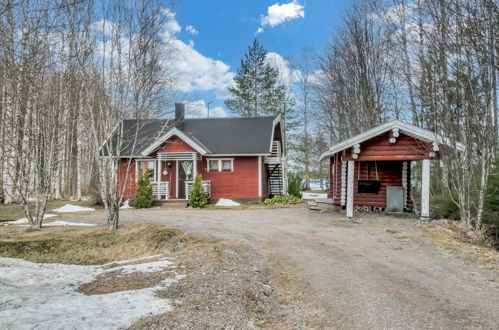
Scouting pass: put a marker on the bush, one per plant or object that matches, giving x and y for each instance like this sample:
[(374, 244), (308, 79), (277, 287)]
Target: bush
[(282, 200), (443, 207), (294, 184), (197, 197), (491, 208), (143, 195)]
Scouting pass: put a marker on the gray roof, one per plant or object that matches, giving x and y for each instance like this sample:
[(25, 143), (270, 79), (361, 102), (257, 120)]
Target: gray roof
[(221, 136)]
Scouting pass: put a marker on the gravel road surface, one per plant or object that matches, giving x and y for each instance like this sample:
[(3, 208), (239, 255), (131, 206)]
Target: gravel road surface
[(378, 273)]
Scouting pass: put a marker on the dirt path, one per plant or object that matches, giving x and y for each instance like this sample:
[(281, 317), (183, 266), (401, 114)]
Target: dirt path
[(382, 273)]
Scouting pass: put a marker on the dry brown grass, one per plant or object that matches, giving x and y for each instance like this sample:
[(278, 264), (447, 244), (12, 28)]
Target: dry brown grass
[(15, 211), (453, 238), (89, 246)]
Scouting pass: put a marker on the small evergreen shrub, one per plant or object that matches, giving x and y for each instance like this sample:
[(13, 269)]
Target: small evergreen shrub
[(282, 200), (294, 184), (143, 195), (443, 207), (197, 197)]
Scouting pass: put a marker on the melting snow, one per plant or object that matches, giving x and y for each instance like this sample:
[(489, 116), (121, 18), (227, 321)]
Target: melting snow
[(69, 208), (226, 202), (126, 205), (24, 220), (307, 195), (44, 296), (67, 223)]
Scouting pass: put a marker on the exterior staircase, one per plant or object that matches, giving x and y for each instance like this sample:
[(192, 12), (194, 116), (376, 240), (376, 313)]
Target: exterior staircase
[(274, 177)]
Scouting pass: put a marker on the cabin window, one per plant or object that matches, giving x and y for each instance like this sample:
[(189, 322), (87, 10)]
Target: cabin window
[(226, 165), (220, 165), (147, 167)]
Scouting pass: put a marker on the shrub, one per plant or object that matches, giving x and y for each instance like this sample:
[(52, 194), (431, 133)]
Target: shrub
[(282, 200), (143, 195), (444, 207), (294, 184), (197, 197)]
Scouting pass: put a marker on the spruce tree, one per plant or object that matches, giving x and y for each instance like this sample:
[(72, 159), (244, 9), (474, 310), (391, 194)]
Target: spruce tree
[(197, 197), (258, 90), (143, 194)]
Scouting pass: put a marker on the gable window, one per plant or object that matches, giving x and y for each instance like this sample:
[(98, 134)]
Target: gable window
[(221, 165), (147, 167)]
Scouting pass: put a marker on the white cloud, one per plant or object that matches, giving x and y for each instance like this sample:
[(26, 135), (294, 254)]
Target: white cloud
[(198, 72), (288, 76), (191, 30), (280, 13), (195, 72), (199, 109)]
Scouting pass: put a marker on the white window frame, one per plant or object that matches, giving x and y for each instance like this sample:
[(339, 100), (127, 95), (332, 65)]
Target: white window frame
[(137, 174), (219, 164)]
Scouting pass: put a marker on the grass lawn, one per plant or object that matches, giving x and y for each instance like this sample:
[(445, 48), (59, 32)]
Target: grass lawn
[(89, 246), (14, 212)]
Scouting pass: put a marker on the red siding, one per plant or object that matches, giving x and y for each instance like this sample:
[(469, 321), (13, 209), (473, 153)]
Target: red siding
[(175, 144), (122, 175), (242, 182)]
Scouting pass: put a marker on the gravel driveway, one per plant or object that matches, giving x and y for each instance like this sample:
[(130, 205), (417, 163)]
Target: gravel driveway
[(381, 273)]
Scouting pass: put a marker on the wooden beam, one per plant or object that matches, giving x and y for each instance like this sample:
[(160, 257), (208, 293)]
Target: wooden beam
[(425, 190), (350, 179)]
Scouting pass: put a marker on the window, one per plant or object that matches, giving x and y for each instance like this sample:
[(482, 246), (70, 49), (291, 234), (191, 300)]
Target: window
[(147, 167), (213, 165), (218, 165), (226, 165)]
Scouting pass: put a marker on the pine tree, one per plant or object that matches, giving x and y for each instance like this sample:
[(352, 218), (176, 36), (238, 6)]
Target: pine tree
[(143, 195), (257, 91), (197, 197)]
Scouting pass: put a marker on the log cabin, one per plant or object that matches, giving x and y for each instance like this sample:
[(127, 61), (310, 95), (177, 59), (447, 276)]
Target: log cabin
[(373, 169), (238, 158)]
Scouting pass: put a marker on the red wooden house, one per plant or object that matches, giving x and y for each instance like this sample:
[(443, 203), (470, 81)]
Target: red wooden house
[(372, 169), (238, 158)]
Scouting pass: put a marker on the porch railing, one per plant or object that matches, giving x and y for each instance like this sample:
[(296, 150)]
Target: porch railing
[(276, 154), (206, 187), (161, 190)]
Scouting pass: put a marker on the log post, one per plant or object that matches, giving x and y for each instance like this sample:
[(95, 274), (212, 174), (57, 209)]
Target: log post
[(425, 190), (350, 178)]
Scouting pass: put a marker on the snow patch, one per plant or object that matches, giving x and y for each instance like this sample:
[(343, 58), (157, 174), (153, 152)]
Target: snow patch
[(25, 220), (70, 208), (309, 195), (226, 202), (44, 296), (67, 223), (126, 205)]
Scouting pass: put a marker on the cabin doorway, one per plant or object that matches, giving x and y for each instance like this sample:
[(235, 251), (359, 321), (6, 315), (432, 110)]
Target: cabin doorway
[(184, 173)]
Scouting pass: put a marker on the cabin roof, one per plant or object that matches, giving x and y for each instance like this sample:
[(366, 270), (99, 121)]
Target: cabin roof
[(408, 129), (214, 136)]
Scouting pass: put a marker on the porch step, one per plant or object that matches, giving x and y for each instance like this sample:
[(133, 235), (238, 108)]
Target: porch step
[(321, 204), (172, 204)]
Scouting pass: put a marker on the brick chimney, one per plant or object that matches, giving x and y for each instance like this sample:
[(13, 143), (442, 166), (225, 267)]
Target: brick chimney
[(179, 115)]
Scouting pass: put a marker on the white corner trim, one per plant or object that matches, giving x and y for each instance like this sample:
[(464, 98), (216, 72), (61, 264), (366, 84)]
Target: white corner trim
[(175, 131), (409, 129), (259, 176)]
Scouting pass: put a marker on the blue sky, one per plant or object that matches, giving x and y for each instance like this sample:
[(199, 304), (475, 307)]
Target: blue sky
[(214, 35)]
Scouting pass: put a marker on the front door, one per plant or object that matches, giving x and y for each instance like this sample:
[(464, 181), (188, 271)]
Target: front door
[(185, 173)]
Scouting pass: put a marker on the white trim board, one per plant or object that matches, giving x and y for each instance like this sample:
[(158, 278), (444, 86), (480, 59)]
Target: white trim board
[(175, 131), (406, 128)]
